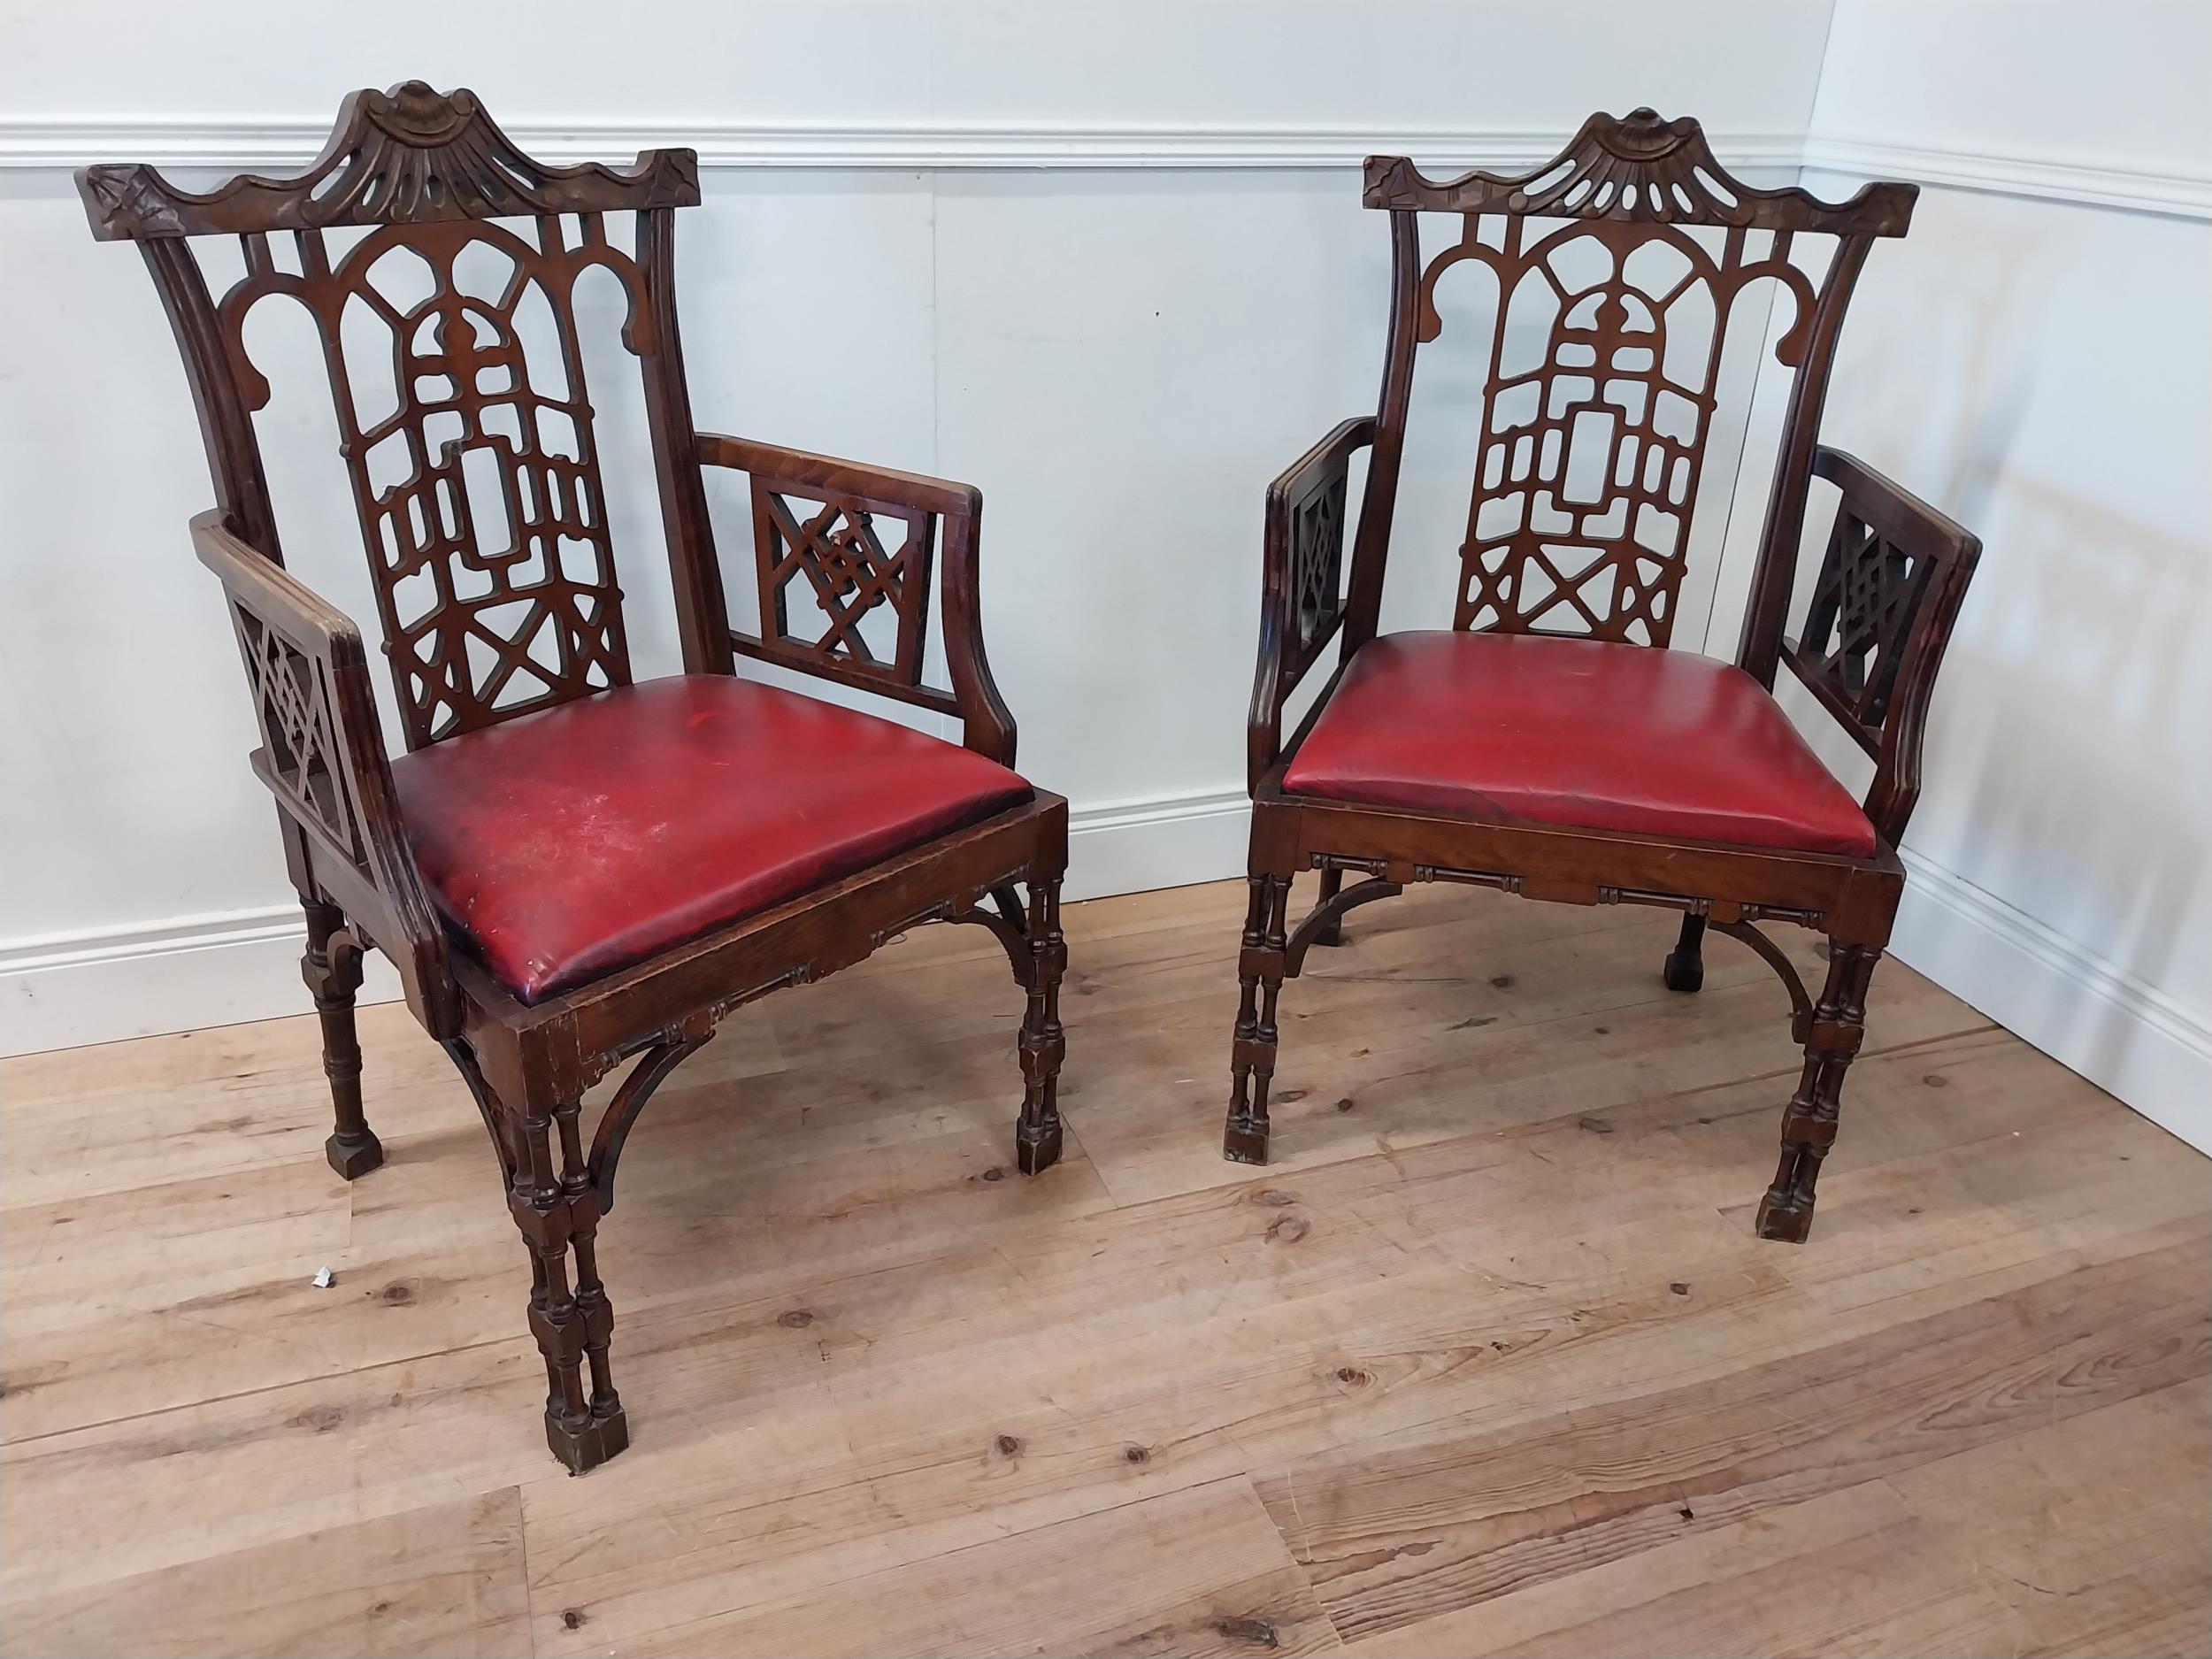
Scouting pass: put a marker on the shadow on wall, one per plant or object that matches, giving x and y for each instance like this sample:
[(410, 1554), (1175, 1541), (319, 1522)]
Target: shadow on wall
[(2057, 736), (1937, 358), (2080, 659)]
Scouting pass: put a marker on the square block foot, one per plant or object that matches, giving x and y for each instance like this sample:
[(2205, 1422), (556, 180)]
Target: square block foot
[(354, 1156), (1784, 1225), (1244, 1142), (585, 1447), (1036, 1148)]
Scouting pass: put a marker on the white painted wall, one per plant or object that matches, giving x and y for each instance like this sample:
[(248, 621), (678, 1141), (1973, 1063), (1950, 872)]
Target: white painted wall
[(2037, 358), (1108, 263)]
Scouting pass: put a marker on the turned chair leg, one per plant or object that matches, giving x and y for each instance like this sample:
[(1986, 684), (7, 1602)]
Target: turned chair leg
[(558, 1217), (332, 968), (1685, 963), (1808, 1126), (1252, 1051), (1331, 884), (1043, 1042)]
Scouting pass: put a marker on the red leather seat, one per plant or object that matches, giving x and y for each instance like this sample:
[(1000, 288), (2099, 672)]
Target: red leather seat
[(569, 843), (1580, 733)]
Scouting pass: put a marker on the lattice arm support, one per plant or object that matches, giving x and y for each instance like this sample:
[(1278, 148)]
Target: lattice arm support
[(835, 544), (323, 757), (1301, 602), (1890, 584)]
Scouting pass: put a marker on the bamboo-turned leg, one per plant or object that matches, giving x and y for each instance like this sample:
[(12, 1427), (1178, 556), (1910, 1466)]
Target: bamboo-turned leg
[(1809, 1126), (332, 968), (1252, 1051), (1043, 1042), (1331, 884), (558, 1216)]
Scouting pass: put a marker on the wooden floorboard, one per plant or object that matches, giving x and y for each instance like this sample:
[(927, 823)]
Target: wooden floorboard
[(1487, 1361)]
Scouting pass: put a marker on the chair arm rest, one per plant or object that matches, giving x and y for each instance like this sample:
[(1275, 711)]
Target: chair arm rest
[(1892, 579), (852, 495), (322, 756), (1301, 602), (800, 467)]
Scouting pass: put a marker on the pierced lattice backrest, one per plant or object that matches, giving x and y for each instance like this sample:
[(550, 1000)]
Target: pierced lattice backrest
[(449, 333), (1617, 265)]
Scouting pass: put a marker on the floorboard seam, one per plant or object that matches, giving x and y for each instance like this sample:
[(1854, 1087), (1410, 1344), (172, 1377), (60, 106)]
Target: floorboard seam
[(9, 1444)]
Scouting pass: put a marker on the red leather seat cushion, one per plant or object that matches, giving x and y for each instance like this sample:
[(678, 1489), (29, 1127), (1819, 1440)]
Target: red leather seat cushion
[(571, 842), (1580, 733)]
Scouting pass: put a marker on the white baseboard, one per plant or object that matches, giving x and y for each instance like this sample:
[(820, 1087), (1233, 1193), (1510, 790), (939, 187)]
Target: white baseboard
[(2092, 1015), (1158, 841), (187, 973), (2124, 1034), (182, 974)]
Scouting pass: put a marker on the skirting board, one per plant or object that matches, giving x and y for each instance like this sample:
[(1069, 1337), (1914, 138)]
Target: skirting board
[(190, 973), (2091, 1015)]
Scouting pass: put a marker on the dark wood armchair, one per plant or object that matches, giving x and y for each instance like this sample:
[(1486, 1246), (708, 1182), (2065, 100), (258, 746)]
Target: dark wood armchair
[(570, 869), (1548, 745)]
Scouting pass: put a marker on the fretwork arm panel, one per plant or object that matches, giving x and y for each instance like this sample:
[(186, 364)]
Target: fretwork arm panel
[(1885, 598), (845, 556)]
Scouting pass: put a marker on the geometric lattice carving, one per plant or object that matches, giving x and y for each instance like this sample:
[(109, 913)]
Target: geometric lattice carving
[(1598, 402), (470, 445), (1317, 563), (1592, 443), (291, 699), (1864, 601), (830, 553), (468, 440)]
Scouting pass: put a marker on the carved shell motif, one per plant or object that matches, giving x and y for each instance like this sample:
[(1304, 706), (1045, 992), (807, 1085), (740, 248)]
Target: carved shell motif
[(1642, 169), (410, 156)]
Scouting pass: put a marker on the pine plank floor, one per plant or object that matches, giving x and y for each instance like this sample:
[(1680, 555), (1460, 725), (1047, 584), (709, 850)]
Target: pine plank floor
[(1486, 1363)]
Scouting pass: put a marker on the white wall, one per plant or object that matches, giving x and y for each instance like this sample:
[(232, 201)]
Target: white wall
[(1108, 263), (2036, 358)]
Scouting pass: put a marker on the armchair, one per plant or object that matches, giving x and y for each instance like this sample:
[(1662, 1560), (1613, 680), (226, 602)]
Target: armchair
[(573, 870), (1548, 745)]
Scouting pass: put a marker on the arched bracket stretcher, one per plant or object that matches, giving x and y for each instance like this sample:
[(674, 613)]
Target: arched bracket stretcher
[(1771, 954), (1325, 916), (647, 1075), (1004, 918), (1328, 913), (1007, 923)]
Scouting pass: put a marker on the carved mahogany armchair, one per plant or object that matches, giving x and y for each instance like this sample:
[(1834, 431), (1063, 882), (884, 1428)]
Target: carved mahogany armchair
[(1549, 745), (569, 868)]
